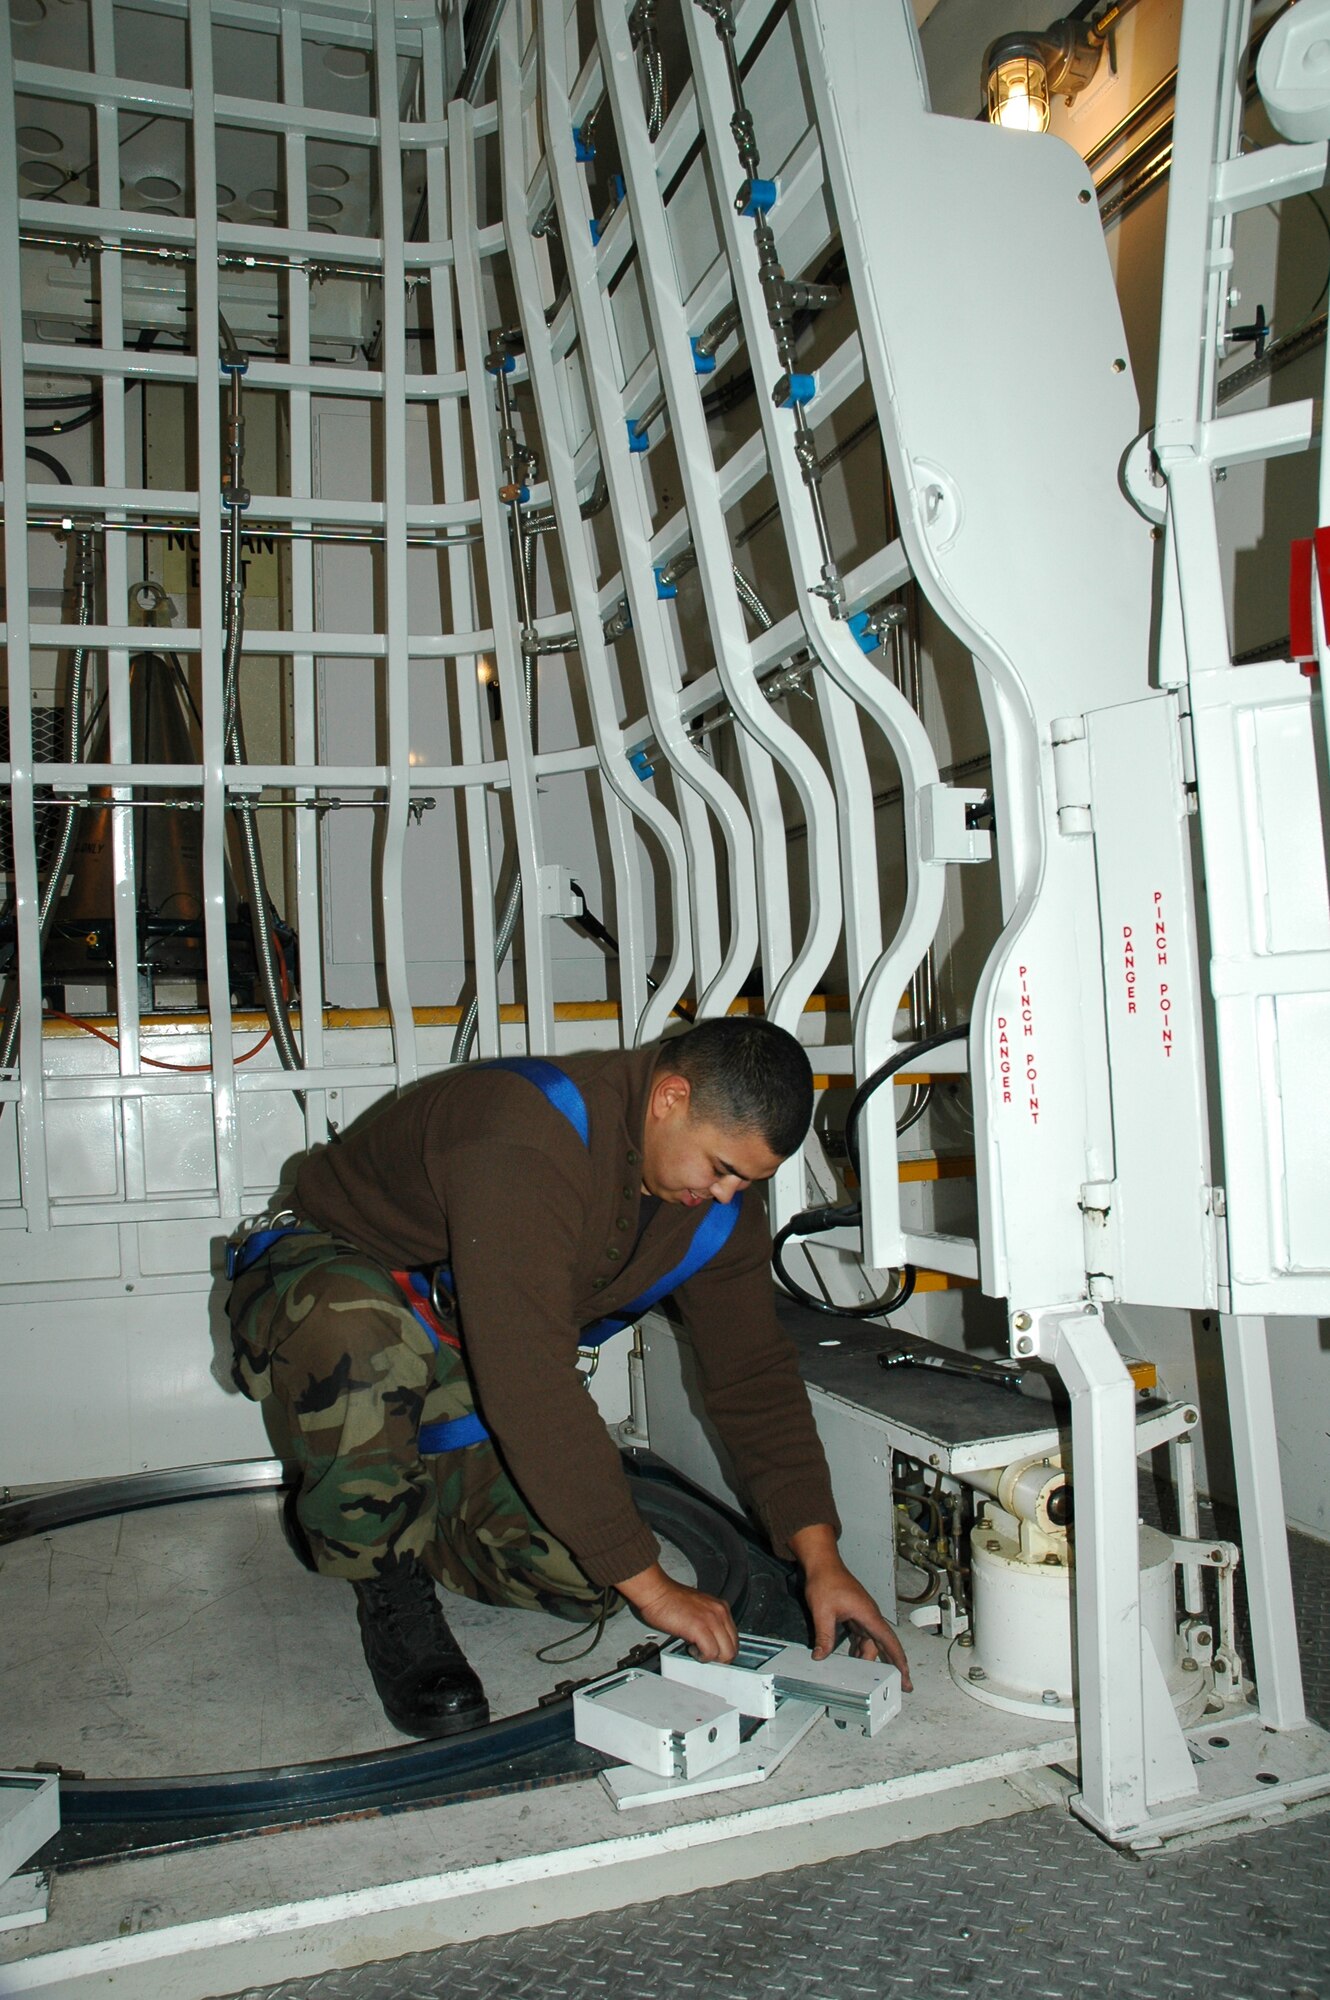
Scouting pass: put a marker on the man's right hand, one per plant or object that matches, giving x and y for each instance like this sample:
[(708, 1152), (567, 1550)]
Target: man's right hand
[(703, 1622)]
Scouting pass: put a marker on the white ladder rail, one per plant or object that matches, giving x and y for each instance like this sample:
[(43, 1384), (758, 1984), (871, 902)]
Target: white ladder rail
[(644, 1015), (1259, 977), (704, 795), (788, 977)]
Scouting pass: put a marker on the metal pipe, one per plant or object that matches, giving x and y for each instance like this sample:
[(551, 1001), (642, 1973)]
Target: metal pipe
[(1153, 101), (781, 298), (481, 28), (64, 844), (317, 270), (255, 530)]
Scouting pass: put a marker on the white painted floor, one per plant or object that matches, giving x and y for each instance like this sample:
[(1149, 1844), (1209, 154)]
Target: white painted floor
[(188, 1639)]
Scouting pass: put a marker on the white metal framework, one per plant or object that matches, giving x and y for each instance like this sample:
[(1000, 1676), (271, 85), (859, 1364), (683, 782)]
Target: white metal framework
[(522, 317)]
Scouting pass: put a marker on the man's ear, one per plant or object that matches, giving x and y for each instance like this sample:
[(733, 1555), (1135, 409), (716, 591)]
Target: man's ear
[(669, 1091)]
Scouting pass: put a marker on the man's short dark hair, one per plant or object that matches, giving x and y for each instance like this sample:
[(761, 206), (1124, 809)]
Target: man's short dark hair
[(747, 1075)]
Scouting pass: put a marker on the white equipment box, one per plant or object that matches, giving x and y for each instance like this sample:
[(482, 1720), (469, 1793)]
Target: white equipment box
[(659, 1725), (863, 1692)]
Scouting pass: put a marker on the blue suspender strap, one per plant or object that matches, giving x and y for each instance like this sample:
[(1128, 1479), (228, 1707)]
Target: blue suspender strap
[(248, 1249), (451, 1434), (560, 1089), (713, 1232), (456, 1433)]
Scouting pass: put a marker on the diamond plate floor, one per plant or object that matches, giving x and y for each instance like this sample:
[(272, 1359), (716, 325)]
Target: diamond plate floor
[(1034, 1908)]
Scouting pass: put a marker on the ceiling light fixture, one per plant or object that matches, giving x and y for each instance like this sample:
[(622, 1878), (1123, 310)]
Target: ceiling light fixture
[(1023, 72)]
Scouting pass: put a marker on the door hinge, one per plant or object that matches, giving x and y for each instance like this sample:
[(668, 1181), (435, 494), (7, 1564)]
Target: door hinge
[(1071, 774)]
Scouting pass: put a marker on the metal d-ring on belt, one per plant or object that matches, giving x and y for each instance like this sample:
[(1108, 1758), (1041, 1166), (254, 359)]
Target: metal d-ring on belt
[(431, 1296)]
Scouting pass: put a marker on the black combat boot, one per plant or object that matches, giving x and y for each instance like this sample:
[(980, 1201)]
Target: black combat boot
[(420, 1671)]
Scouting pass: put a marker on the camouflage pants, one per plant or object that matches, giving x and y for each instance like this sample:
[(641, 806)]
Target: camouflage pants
[(347, 1374)]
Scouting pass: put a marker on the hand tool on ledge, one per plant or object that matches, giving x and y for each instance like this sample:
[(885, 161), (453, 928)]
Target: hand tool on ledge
[(908, 1351)]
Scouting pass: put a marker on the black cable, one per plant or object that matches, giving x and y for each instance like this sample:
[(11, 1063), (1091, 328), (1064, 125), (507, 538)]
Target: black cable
[(90, 403), (57, 429), (901, 1060), (60, 402), (51, 464), (819, 1221)]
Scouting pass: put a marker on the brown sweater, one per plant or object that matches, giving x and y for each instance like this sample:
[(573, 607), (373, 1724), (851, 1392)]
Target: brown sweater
[(477, 1169)]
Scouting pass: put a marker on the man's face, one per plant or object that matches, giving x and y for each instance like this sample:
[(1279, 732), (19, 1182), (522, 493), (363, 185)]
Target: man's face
[(687, 1159)]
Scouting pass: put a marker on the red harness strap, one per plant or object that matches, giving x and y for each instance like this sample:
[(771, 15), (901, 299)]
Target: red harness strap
[(415, 1289)]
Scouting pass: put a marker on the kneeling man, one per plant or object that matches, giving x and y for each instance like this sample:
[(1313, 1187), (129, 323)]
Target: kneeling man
[(413, 1322)]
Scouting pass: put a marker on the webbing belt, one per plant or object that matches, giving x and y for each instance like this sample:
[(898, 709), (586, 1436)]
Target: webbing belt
[(452, 1434)]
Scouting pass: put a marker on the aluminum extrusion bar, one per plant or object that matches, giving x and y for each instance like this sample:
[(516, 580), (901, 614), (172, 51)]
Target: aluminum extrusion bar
[(226, 1125), (33, 1162), (304, 682)]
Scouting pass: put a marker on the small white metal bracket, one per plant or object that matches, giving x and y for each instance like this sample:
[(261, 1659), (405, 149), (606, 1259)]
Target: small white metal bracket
[(945, 832), (662, 1727), (865, 1693), (759, 1755), (558, 897), (29, 1817)]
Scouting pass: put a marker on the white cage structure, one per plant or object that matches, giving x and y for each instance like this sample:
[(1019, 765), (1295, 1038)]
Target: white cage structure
[(548, 636)]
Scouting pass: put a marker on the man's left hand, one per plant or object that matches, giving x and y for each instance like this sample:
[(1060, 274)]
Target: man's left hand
[(836, 1597)]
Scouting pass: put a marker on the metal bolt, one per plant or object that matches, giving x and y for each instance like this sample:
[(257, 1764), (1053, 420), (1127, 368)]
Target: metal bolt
[(1083, 196), (1021, 1321), (978, 1674), (1051, 1698), (1119, 366), (1190, 1667), (1191, 1416), (993, 1545), (1216, 1555), (1025, 1346), (1052, 1562), (934, 1458), (965, 1638)]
